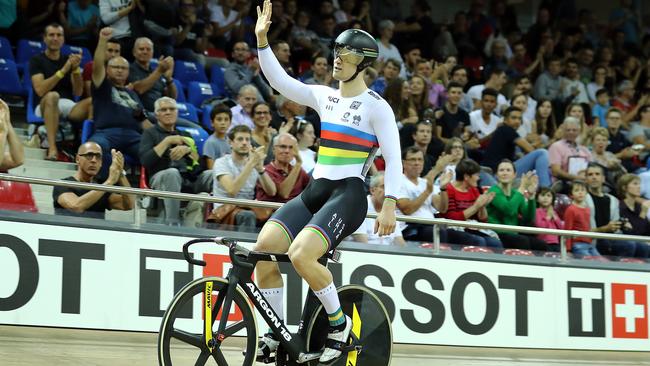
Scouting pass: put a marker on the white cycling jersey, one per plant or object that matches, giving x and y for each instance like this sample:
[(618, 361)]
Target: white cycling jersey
[(351, 128)]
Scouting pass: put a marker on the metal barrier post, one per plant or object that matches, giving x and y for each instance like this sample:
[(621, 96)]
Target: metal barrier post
[(137, 221), (563, 253), (436, 238)]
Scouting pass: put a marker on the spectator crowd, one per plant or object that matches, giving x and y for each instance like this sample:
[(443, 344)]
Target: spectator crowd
[(547, 126)]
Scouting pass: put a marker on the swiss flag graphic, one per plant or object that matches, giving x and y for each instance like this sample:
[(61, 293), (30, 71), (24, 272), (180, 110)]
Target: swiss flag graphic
[(629, 311)]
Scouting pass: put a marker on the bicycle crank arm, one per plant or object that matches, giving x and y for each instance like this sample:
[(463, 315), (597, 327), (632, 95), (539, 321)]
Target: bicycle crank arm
[(305, 357)]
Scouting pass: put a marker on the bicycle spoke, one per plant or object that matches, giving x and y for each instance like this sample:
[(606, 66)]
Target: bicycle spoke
[(234, 328), (187, 337), (218, 356), (203, 357)]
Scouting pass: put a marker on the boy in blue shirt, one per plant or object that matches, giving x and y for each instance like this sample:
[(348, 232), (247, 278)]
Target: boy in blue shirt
[(601, 107)]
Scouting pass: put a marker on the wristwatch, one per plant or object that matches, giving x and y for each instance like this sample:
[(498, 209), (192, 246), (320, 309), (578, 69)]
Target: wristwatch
[(123, 173)]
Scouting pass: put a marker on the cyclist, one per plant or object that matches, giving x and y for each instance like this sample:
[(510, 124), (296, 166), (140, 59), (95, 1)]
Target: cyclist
[(355, 122)]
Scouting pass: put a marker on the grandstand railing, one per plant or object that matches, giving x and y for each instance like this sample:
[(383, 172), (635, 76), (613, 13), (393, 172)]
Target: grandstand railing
[(436, 222)]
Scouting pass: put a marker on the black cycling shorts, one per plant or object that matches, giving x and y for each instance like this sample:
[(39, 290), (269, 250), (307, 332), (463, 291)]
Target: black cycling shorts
[(333, 209)]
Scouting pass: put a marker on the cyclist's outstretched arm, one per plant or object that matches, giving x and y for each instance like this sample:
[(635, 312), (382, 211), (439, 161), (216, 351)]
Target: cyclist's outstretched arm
[(385, 127), (273, 71)]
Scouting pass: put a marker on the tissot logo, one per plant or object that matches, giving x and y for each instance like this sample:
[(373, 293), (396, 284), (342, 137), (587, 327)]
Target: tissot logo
[(629, 311)]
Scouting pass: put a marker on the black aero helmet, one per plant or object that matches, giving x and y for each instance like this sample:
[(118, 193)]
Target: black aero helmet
[(357, 46)]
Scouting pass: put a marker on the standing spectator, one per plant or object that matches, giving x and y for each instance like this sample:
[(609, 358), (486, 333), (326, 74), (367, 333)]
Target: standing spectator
[(84, 203), (226, 22), (495, 80), (290, 180), (459, 75), (304, 132), (389, 72), (387, 50), (118, 112), (465, 202), (418, 28), (366, 232), (573, 90), (12, 152), (171, 159), (450, 119), (217, 144), (236, 175), (546, 217), (242, 112), (80, 23), (37, 14), (151, 83), (605, 214), (482, 121), (243, 70), (322, 73), (566, 156), (113, 49), (515, 207), (548, 84), (502, 147), (115, 14), (191, 38), (576, 217), (54, 89), (634, 215), (304, 41)]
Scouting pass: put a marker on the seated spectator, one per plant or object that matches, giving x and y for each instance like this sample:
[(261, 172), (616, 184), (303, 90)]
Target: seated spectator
[(113, 49), (515, 207), (244, 70), (80, 22), (56, 80), (82, 202), (290, 180), (389, 72), (282, 52), (548, 84), (612, 164), (577, 217), (236, 175), (520, 63), (430, 145), (546, 217), (450, 118), (118, 112), (226, 22), (625, 101), (419, 94), (619, 144), (435, 80), (366, 232), (171, 159), (417, 197), (573, 89), (502, 146), (496, 79), (527, 128), (545, 122), (600, 108), (151, 83), (640, 132), (321, 73), (241, 113), (411, 56), (192, 36), (605, 214), (459, 75), (304, 41), (327, 32), (465, 203), (12, 153), (397, 96), (387, 50), (566, 156), (115, 14), (634, 215), (262, 134), (599, 82), (217, 144), (524, 86), (304, 132), (287, 113), (483, 122)]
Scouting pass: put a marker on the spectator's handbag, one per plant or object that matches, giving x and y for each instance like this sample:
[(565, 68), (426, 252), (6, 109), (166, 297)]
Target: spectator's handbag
[(224, 214)]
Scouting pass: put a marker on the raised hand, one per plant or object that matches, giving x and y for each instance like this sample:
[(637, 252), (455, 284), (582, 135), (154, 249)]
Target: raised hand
[(446, 178), (263, 19), (118, 160), (75, 60), (106, 33)]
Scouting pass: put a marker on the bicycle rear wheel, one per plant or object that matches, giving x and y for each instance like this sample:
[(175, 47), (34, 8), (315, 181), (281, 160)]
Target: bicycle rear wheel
[(370, 324), (181, 340)]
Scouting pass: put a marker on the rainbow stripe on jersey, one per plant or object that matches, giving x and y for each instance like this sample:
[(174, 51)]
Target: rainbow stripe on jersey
[(342, 145)]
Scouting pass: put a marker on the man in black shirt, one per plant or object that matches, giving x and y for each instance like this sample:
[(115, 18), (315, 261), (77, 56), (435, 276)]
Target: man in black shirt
[(151, 82), (118, 113), (171, 159), (83, 202), (502, 146), (619, 145), (56, 81), (450, 119)]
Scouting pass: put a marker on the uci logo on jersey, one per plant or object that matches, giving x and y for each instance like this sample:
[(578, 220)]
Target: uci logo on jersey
[(332, 99)]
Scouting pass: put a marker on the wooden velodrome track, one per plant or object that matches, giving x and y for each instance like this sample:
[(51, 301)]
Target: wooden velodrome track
[(56, 346)]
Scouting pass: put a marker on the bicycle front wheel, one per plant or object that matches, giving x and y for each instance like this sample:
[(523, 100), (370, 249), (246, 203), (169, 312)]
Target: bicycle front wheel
[(370, 324), (182, 340)]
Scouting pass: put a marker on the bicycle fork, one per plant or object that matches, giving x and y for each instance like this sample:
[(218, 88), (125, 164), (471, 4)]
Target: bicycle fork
[(210, 317)]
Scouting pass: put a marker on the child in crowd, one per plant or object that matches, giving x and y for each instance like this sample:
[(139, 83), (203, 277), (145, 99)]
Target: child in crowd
[(600, 109), (217, 144), (546, 217), (576, 217)]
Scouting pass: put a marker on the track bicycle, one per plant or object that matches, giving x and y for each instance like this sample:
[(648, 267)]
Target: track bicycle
[(181, 334)]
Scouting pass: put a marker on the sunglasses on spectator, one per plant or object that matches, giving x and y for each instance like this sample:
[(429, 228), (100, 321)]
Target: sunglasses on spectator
[(92, 155)]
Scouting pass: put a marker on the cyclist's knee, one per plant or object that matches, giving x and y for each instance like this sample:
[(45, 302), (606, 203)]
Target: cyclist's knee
[(272, 239)]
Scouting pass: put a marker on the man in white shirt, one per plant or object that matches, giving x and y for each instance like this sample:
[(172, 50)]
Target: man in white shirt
[(366, 232), (482, 121), (241, 113), (496, 79), (573, 89)]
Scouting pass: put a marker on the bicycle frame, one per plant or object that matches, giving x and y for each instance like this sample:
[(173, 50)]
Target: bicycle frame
[(244, 262)]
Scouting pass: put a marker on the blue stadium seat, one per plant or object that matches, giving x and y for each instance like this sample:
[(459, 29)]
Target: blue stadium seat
[(31, 116), (5, 49), (85, 53), (9, 79), (217, 78), (26, 49), (198, 134), (198, 92), (205, 118), (188, 112), (180, 94), (186, 71)]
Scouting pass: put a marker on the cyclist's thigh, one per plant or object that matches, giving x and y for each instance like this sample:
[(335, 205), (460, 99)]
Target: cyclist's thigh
[(283, 226), (339, 217)]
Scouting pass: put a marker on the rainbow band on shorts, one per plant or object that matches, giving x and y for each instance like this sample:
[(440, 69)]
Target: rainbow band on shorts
[(320, 232), (284, 229)]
